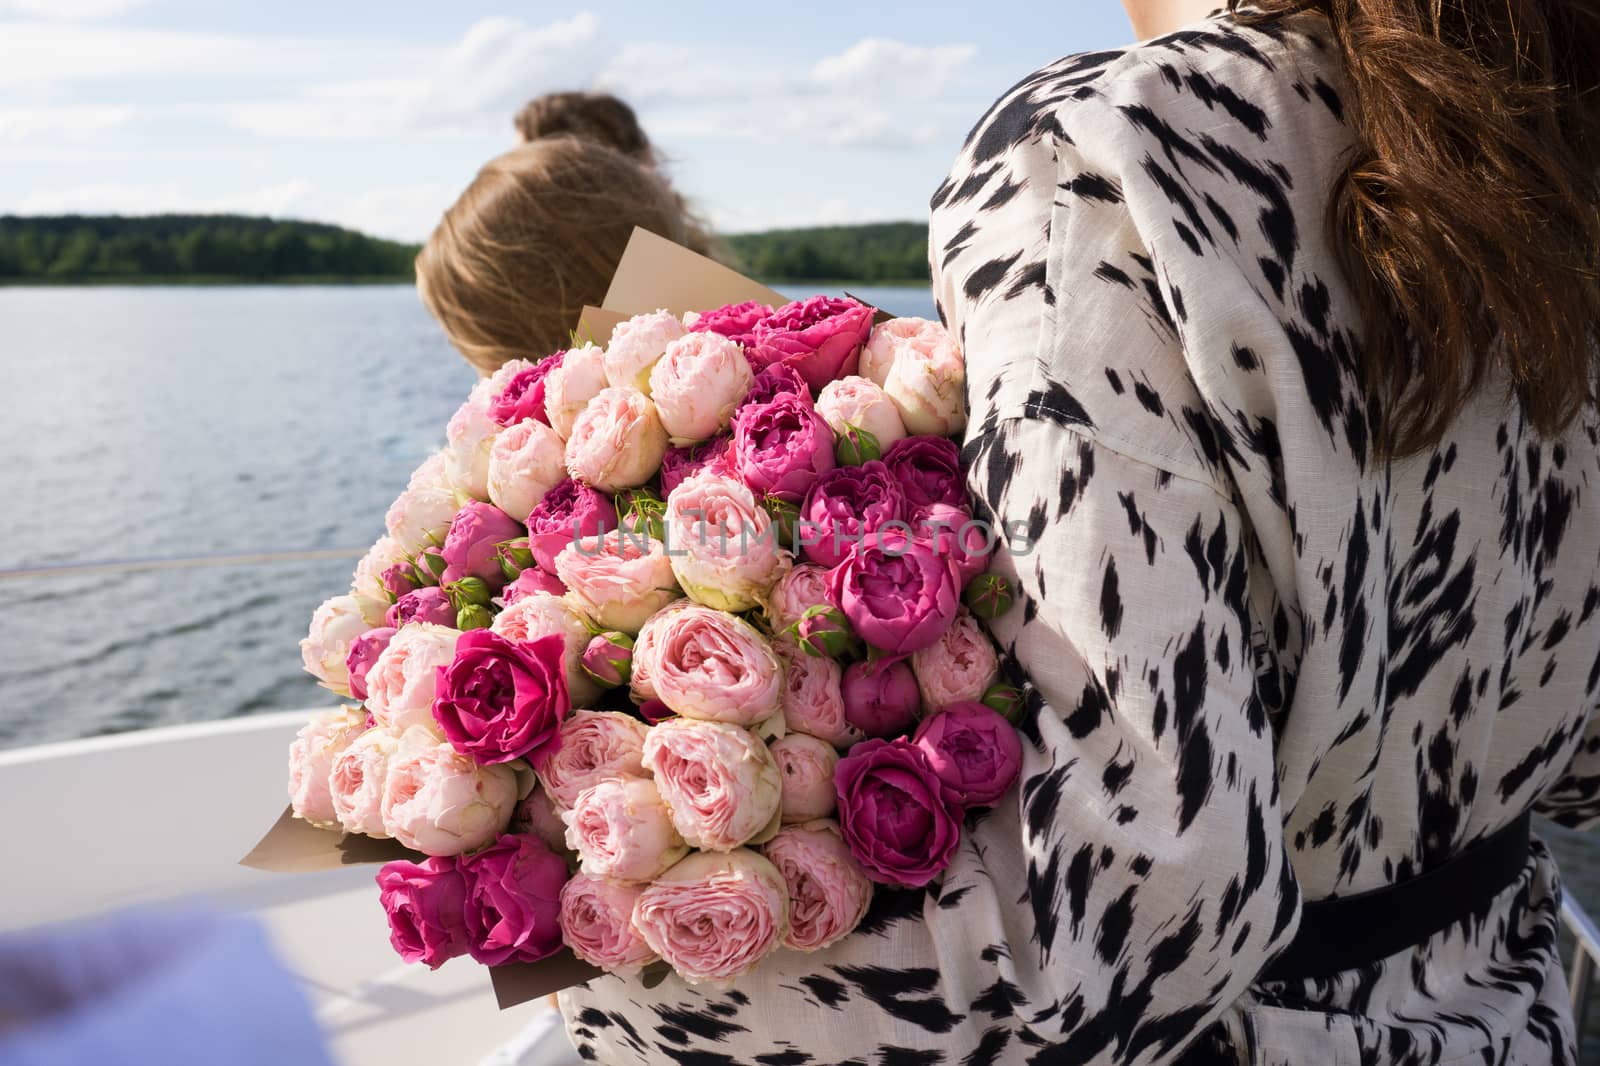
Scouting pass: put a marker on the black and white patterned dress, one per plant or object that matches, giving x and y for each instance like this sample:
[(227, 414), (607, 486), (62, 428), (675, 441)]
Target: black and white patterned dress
[(1263, 664)]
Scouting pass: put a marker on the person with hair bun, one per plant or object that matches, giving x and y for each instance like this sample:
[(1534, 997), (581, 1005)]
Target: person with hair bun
[(598, 117)]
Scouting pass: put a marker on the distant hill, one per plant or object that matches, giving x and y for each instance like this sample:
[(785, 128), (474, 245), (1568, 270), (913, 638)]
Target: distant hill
[(878, 252)]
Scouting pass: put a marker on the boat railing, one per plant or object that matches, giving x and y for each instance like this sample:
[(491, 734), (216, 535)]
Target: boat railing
[(1585, 955)]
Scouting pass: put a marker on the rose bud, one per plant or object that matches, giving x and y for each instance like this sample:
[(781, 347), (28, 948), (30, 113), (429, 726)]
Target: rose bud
[(926, 378), (780, 447), (426, 905), (513, 901), (618, 579), (430, 565), (897, 594), (859, 404), (635, 346), (502, 699), (430, 605), (325, 650), (617, 442), (806, 765), (845, 506), (734, 321), (895, 814), (655, 712), (609, 659), (855, 446), (569, 511), (959, 667), (539, 815), (801, 588), (542, 615), (928, 471), (520, 390), (402, 683), (974, 750), (680, 464), (710, 665), (364, 651), (1005, 700), (597, 924), (697, 384), (829, 892), (469, 436), (358, 779), (880, 698), (420, 515), (813, 700), (719, 781), (368, 584), (311, 758), (640, 510), (714, 917), (725, 552), (989, 596), (527, 461), (622, 830), (822, 631), (531, 581), (820, 337), (440, 802), (398, 580), (779, 379), (570, 386), (473, 617), (471, 548), (594, 745), (515, 556), (469, 591)]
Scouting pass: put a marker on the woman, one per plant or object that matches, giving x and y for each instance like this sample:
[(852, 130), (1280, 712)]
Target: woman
[(1281, 335), (598, 117)]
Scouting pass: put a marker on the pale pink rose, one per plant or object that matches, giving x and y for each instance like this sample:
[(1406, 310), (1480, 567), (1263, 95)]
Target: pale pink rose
[(959, 667), (421, 515), (538, 814), (707, 664), (431, 473), (829, 892), (922, 372), (636, 345), (401, 684), (801, 588), (594, 745), (439, 802), (714, 917), (597, 924), (525, 462), (367, 586), (862, 403), (326, 647), (806, 764), (640, 686), (720, 781), (542, 614), (469, 436), (312, 755), (619, 578), (617, 442), (621, 829), (697, 384), (570, 386), (813, 699), (486, 389), (725, 549), (358, 778)]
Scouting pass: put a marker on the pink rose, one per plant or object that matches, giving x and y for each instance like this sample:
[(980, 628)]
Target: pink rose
[(953, 533), (608, 659), (544, 615), (469, 436), (439, 802), (735, 321), (430, 604), (311, 757), (594, 745), (894, 813), (919, 365), (401, 684), (858, 403), (513, 902), (714, 917), (622, 830), (697, 384), (801, 588), (845, 506), (325, 649), (680, 464), (597, 924), (719, 781), (821, 337), (710, 665), (828, 891), (880, 698), (570, 386), (636, 345), (471, 548), (813, 700), (959, 667), (503, 699), (357, 781), (973, 750), (523, 395), (539, 815), (617, 441), (639, 684), (780, 447), (806, 765), (568, 511), (899, 595), (369, 585), (618, 579), (928, 470), (530, 582), (779, 379), (426, 904), (527, 460), (725, 550)]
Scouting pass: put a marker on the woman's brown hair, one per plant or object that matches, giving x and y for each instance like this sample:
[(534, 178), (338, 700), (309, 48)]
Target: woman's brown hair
[(535, 237), (597, 117), (1469, 215)]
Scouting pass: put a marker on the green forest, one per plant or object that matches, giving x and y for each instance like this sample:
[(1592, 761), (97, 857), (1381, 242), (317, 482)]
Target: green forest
[(77, 249)]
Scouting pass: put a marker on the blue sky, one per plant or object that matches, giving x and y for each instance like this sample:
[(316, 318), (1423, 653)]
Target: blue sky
[(375, 115)]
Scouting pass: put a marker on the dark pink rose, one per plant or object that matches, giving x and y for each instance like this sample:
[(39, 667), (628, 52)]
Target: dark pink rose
[(735, 321), (523, 396), (472, 547), (780, 447), (779, 379), (364, 651), (928, 470), (953, 533), (880, 698), (820, 337), (567, 512), (899, 595), (426, 905), (654, 711), (398, 579), (529, 582), (846, 505), (430, 604), (975, 752), (894, 813), (513, 900), (608, 659), (502, 699), (683, 463)]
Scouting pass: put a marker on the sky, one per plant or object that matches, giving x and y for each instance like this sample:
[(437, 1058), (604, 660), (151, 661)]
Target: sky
[(376, 115)]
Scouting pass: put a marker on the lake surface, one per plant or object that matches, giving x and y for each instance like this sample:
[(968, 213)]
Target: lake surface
[(142, 423)]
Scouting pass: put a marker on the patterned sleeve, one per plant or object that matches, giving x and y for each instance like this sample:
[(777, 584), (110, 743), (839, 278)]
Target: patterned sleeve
[(1574, 800)]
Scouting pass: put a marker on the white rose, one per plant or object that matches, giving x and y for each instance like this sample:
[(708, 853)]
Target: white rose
[(334, 626), (636, 345), (579, 379), (697, 384), (469, 436), (859, 402), (525, 462)]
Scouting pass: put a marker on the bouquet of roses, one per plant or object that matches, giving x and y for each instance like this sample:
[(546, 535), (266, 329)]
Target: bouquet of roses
[(670, 653)]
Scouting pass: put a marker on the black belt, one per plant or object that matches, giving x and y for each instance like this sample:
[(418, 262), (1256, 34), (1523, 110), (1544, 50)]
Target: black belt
[(1351, 931)]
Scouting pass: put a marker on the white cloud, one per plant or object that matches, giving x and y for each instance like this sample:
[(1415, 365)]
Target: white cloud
[(70, 10), (73, 123), (876, 67), (643, 73), (829, 122)]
